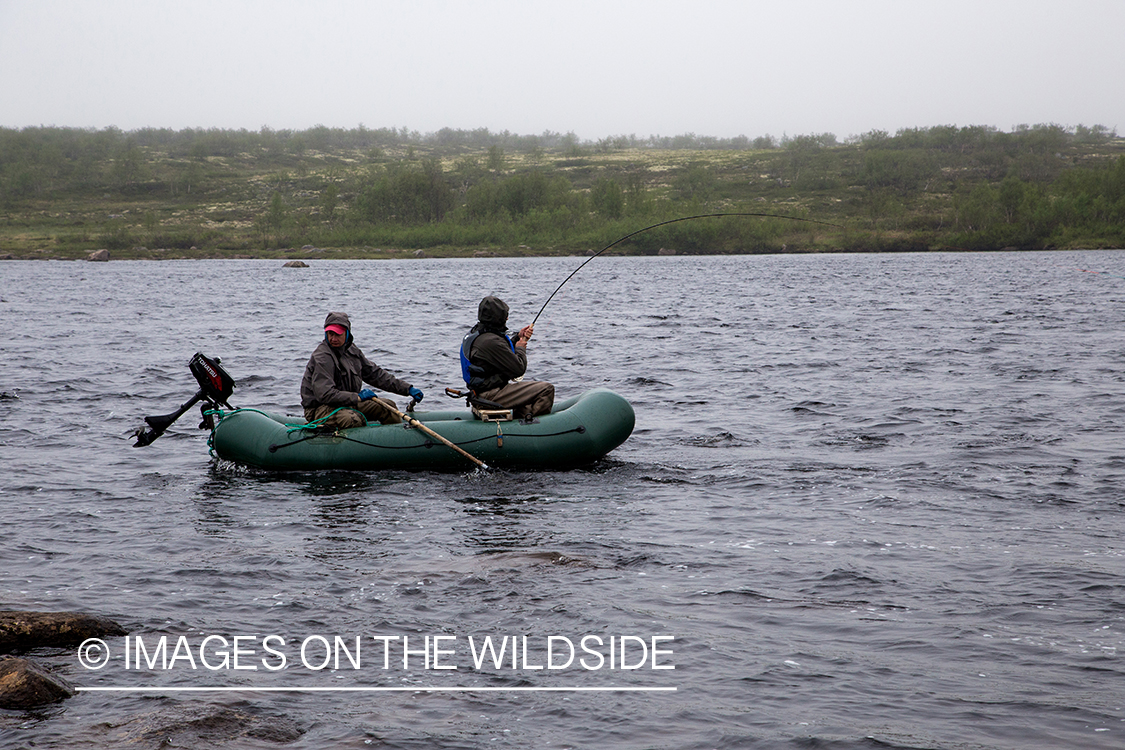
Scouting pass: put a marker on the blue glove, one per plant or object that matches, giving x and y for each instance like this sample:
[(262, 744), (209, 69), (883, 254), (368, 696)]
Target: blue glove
[(415, 393), (366, 393)]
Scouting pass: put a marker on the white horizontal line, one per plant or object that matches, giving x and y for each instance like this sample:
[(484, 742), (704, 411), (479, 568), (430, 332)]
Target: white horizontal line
[(235, 689)]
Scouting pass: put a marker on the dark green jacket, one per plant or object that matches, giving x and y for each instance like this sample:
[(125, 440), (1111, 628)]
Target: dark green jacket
[(334, 377)]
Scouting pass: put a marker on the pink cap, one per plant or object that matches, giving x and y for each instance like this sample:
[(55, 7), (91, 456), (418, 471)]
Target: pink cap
[(336, 329)]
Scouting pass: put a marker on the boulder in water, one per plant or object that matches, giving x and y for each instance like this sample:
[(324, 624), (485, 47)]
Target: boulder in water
[(20, 631), (24, 684)]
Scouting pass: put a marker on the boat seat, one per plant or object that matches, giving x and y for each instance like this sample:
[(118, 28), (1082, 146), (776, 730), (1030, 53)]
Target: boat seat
[(492, 415), (488, 411)]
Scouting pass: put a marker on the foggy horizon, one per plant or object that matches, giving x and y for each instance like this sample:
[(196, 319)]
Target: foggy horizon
[(722, 70)]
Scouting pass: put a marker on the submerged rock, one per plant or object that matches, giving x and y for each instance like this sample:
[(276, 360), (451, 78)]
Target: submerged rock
[(25, 684), (20, 631), (296, 264), (195, 725)]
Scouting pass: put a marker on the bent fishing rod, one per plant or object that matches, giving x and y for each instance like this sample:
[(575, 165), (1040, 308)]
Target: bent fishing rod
[(672, 221)]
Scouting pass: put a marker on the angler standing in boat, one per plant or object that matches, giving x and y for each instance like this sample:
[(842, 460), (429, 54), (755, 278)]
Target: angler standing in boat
[(334, 379), (493, 365)]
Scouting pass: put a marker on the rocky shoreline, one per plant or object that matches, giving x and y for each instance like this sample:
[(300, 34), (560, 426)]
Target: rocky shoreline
[(26, 683)]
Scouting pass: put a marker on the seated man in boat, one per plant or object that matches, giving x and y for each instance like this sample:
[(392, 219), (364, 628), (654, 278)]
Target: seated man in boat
[(493, 365), (334, 378)]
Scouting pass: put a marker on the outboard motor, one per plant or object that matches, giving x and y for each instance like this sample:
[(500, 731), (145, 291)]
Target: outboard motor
[(215, 387)]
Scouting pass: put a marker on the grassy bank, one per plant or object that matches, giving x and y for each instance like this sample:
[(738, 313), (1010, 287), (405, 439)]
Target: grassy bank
[(392, 193)]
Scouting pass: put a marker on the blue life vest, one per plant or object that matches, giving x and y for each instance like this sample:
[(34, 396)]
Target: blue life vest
[(476, 377)]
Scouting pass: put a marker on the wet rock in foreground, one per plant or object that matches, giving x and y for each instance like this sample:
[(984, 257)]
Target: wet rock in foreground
[(25, 684), (20, 631)]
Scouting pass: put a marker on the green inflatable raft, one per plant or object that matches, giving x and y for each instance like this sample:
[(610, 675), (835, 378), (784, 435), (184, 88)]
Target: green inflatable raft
[(578, 431)]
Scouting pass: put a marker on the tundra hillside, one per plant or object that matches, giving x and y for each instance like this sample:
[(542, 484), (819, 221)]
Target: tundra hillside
[(364, 193)]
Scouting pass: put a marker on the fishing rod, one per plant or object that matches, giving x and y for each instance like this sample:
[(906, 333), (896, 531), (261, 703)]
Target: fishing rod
[(663, 223), (1102, 273)]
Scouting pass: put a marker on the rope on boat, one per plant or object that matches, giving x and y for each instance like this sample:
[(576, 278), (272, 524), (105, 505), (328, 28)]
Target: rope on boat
[(289, 428), (430, 443), (499, 437)]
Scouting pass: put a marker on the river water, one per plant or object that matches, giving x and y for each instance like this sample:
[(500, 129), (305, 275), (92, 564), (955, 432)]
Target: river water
[(871, 501)]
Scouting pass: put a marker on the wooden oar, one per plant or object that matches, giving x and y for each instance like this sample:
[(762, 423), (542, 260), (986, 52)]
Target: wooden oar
[(431, 433)]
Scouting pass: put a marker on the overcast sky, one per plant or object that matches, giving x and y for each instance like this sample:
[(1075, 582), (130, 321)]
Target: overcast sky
[(643, 67)]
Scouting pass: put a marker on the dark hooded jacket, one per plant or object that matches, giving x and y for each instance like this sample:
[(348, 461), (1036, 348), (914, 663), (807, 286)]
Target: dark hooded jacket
[(488, 349), (334, 377)]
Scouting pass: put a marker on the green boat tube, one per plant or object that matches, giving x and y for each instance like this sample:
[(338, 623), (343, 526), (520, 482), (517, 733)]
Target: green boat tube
[(578, 431)]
